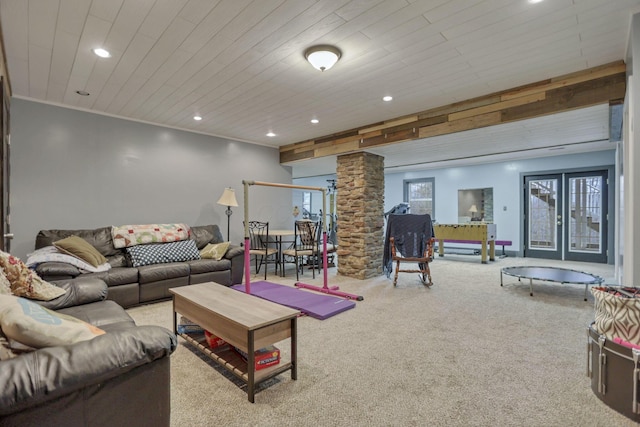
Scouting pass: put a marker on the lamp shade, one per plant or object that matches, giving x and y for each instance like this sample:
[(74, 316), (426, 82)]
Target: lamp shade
[(322, 57), (228, 198), (473, 209)]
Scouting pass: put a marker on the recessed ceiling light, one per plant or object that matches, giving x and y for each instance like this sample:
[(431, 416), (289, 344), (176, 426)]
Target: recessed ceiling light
[(197, 118), (102, 53), (271, 134), (535, 1), (387, 98), (315, 121), (82, 93)]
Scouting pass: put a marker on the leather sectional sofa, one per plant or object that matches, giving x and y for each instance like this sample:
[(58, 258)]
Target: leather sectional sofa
[(119, 378), (130, 286)]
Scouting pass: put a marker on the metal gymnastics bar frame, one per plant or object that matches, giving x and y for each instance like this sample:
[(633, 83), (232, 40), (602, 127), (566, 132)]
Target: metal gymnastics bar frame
[(333, 290)]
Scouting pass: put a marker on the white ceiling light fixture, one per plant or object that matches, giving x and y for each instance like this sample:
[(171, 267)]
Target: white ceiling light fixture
[(322, 57), (315, 121), (387, 98), (271, 134), (102, 53), (535, 1), (197, 118)]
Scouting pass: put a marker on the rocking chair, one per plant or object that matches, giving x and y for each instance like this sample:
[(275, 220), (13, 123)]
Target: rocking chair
[(409, 239)]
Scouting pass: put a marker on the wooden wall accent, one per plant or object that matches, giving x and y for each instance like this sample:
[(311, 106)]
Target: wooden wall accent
[(599, 85)]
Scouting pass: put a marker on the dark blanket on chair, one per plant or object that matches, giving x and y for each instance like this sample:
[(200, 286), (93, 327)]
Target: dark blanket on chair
[(411, 234)]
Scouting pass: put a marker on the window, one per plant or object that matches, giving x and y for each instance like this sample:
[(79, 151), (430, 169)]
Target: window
[(419, 193), (306, 205)]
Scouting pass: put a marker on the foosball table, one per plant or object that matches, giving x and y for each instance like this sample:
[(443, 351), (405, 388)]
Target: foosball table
[(483, 234)]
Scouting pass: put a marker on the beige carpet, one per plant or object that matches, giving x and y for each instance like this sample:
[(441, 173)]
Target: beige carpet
[(465, 352)]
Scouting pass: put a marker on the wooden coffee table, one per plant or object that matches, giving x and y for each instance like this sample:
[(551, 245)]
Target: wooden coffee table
[(244, 321)]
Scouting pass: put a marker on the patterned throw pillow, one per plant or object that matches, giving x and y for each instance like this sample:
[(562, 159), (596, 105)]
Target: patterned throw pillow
[(6, 352), (5, 286), (616, 316), (33, 325), (25, 282), (214, 250), (185, 250), (131, 235)]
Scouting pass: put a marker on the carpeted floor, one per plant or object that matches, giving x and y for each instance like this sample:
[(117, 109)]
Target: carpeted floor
[(465, 352)]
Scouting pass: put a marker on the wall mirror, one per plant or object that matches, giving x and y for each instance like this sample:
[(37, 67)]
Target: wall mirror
[(475, 205)]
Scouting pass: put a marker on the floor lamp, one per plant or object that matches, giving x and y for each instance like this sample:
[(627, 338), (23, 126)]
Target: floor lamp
[(228, 199)]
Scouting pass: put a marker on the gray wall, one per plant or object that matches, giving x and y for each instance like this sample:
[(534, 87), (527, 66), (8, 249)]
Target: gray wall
[(72, 169), (505, 178)]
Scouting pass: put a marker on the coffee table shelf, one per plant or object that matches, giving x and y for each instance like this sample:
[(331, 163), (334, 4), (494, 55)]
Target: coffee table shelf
[(242, 320), (232, 362)]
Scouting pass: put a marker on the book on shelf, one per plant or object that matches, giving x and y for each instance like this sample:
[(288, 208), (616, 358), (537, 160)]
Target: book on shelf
[(186, 326)]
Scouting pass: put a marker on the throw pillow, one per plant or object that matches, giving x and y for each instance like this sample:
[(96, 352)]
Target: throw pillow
[(5, 286), (51, 254), (80, 248), (616, 316), (6, 352), (33, 325), (131, 235), (184, 250), (25, 282), (214, 250)]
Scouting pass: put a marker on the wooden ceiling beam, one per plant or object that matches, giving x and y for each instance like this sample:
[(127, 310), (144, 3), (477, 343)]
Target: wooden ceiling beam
[(599, 85)]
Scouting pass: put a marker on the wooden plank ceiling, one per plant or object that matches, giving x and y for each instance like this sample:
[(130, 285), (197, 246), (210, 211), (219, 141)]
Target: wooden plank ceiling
[(239, 64), (600, 85)]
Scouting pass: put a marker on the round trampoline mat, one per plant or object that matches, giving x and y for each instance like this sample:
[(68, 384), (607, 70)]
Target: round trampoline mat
[(554, 274)]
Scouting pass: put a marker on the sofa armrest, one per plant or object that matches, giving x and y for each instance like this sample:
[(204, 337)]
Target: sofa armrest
[(79, 291), (234, 251), (236, 255), (50, 270), (44, 375)]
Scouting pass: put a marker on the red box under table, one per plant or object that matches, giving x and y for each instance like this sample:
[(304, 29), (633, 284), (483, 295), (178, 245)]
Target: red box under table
[(213, 340), (264, 357)]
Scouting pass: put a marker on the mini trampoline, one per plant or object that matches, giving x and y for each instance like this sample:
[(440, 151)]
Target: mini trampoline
[(552, 274)]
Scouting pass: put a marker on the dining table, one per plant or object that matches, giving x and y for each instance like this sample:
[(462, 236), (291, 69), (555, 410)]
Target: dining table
[(279, 235)]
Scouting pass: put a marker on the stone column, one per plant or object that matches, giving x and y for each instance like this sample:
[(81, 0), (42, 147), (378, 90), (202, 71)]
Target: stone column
[(360, 209)]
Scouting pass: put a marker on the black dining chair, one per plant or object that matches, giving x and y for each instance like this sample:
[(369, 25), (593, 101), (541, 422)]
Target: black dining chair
[(305, 246), (259, 241)]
